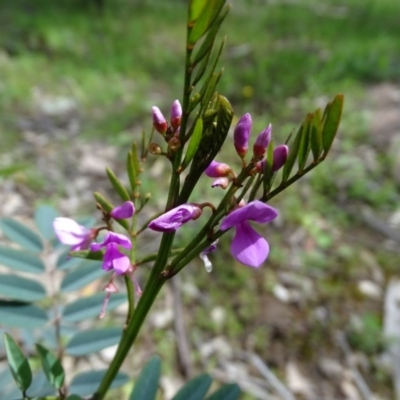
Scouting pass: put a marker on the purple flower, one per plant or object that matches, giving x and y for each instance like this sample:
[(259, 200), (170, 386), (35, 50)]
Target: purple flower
[(262, 141), (221, 182), (123, 211), (176, 114), (249, 247), (159, 121), (241, 135), (218, 170), (113, 259), (175, 218), (72, 234), (280, 156)]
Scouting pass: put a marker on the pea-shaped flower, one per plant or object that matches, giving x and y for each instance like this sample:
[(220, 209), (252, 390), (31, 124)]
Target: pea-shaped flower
[(248, 246), (72, 234)]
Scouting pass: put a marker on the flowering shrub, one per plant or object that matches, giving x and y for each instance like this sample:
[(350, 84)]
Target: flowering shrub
[(190, 141)]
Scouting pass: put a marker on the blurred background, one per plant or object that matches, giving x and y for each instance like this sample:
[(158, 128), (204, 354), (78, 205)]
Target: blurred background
[(78, 79)]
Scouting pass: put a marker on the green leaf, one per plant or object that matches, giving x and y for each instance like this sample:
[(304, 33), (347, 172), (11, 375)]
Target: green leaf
[(316, 134), (18, 363), (23, 289), (89, 307), (81, 276), (331, 121), (206, 17), (51, 366), (93, 340), (293, 152), (87, 254), (106, 205), (195, 8), (117, 185), (86, 383), (305, 145), (44, 217), (130, 167), (21, 261), (146, 384), (226, 392), (195, 389), (21, 315), (193, 144), (20, 234)]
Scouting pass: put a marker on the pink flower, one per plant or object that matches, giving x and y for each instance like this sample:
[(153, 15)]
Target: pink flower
[(72, 234), (123, 211), (218, 170), (175, 218), (248, 246), (159, 121), (176, 114), (262, 142), (241, 135)]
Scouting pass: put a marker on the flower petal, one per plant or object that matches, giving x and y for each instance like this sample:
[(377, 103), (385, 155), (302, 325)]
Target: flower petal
[(114, 259), (255, 211), (123, 211), (69, 232), (248, 246)]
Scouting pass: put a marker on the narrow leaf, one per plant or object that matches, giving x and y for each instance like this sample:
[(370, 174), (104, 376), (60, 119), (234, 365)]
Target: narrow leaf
[(195, 389), (86, 383), (331, 121), (305, 146), (51, 366), (87, 254), (205, 19), (292, 156), (44, 217), (107, 207), (21, 315), (226, 392), (130, 167), (195, 9), (21, 234), (21, 261), (193, 144), (146, 384), (117, 185), (89, 307), (81, 276), (316, 135), (18, 363), (93, 340), (23, 289)]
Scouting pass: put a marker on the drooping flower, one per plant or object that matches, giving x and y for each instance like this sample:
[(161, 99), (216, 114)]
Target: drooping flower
[(175, 218), (280, 156), (204, 255), (223, 183), (248, 246), (262, 142), (241, 135), (176, 114), (159, 122), (218, 170), (113, 258), (123, 211), (72, 234)]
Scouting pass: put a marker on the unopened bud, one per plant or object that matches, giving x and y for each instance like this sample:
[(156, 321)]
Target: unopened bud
[(262, 142), (159, 121), (176, 114), (280, 156), (241, 135)]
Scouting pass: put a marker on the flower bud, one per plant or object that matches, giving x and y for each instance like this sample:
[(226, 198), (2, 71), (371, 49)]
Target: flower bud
[(280, 156), (222, 182), (159, 121), (176, 114), (241, 135), (218, 170), (123, 211), (262, 142)]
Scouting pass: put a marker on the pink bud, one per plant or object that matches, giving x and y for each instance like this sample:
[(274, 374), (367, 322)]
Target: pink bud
[(262, 142), (218, 170), (280, 156), (123, 211), (176, 114), (159, 121), (241, 135)]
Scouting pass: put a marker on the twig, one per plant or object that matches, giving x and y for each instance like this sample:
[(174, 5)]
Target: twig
[(263, 369), (357, 377)]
